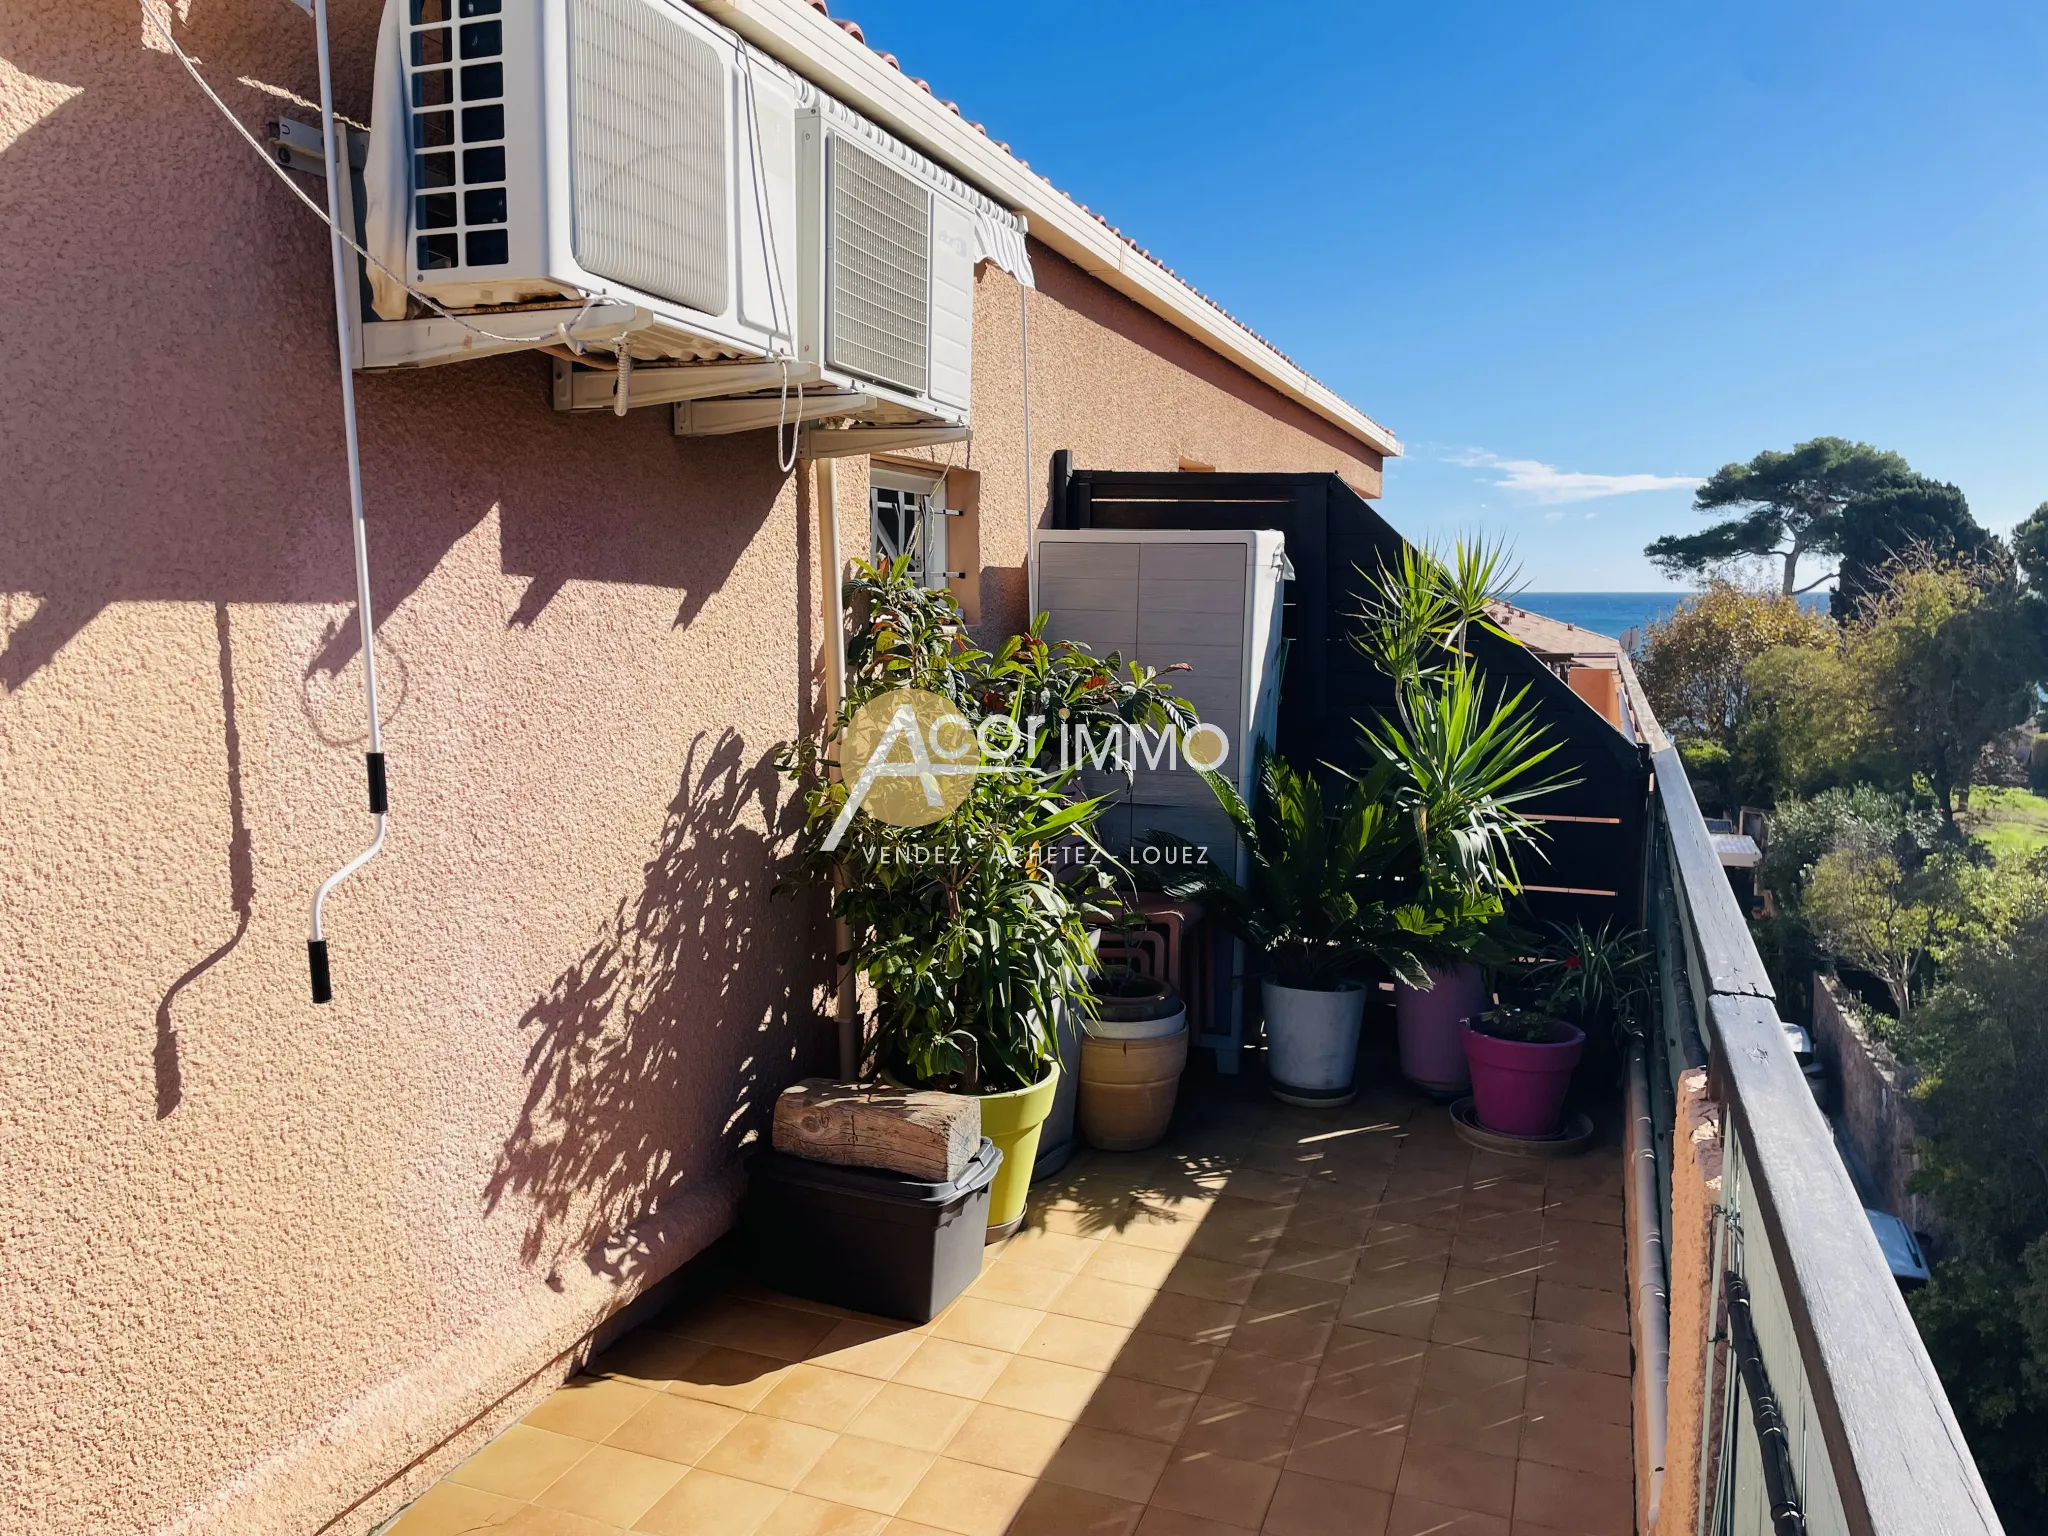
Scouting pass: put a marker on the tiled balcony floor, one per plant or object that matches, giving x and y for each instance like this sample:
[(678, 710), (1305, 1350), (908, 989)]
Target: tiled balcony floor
[(1337, 1323)]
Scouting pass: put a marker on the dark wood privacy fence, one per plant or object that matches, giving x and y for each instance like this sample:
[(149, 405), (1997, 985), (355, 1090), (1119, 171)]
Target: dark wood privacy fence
[(1592, 865)]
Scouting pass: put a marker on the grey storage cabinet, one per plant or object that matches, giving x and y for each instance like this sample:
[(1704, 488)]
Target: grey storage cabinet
[(1160, 596)]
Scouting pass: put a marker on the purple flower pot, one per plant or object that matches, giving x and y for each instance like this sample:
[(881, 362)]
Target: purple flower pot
[(1518, 1086), (1432, 1027)]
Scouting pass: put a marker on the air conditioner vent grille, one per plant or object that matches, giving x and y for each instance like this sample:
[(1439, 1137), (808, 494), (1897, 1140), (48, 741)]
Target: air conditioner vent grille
[(648, 153), (880, 252)]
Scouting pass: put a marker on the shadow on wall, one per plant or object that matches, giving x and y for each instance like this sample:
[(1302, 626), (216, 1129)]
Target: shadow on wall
[(206, 463), (655, 1056)]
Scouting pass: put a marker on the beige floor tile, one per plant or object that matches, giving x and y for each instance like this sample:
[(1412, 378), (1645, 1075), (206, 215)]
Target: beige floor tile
[(1053, 1509), (1574, 1501), (1577, 1304), (1194, 1318), (1491, 1290), (1008, 1439), (862, 1348), (449, 1509), (1044, 1386), (1451, 1370), (990, 1324), (777, 1452), (1347, 1453), (1104, 1301), (813, 1395), (610, 1485), (1076, 1341), (708, 1504), (1300, 1259), (911, 1416), (970, 1500), (801, 1515), (759, 1328), (734, 1378), (868, 1474), (1580, 1445), (1281, 1335), (1419, 1517), (1048, 1250), (1173, 1522), (1019, 1285), (520, 1462), (535, 1520), (962, 1370), (1315, 1506), (1500, 1333), (1580, 1349), (902, 1527), (1481, 1419), (652, 1359), (678, 1429), (1103, 1461), (1243, 1430), (589, 1408), (1139, 1408), (1462, 1478), (1384, 1407), (1556, 1391), (1168, 1361), (1217, 1487), (1128, 1265), (1212, 1279), (1262, 1379)]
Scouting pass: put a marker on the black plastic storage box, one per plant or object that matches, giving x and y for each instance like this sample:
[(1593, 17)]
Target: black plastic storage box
[(866, 1238)]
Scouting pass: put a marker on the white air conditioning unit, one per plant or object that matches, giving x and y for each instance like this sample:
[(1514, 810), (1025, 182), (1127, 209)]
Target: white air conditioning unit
[(886, 274), (630, 150)]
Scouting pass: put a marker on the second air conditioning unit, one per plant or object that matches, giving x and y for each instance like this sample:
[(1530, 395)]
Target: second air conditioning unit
[(886, 270)]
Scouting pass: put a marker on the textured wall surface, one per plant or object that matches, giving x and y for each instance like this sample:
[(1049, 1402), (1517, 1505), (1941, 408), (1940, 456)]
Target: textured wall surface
[(268, 1268), (1873, 1107)]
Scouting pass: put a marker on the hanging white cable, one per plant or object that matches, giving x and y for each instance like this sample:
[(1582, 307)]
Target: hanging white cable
[(331, 216), (778, 296), (316, 941)]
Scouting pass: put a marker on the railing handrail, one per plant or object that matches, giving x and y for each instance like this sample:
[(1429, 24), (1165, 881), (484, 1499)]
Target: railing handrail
[(1900, 1464)]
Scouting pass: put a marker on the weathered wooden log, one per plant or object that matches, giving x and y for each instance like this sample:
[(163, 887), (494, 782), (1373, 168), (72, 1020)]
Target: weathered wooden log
[(926, 1135)]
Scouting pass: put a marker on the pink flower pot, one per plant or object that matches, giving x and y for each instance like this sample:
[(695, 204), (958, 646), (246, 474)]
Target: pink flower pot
[(1518, 1087), (1432, 1027)]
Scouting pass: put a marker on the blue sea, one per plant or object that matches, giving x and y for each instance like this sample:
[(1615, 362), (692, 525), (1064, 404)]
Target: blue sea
[(1616, 613)]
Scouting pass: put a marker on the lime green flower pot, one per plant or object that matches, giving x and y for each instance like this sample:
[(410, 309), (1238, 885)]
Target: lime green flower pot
[(1012, 1121)]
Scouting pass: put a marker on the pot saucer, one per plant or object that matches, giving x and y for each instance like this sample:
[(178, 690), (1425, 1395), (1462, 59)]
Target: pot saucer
[(1569, 1141)]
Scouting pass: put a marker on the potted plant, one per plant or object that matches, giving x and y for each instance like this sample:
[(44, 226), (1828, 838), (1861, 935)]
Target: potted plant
[(1522, 1054), (1522, 1061), (974, 941), (1462, 759), (1324, 904)]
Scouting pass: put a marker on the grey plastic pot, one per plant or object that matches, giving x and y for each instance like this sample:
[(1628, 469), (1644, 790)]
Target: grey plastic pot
[(1312, 1042)]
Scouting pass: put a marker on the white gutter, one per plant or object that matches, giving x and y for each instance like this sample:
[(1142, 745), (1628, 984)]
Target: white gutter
[(800, 37)]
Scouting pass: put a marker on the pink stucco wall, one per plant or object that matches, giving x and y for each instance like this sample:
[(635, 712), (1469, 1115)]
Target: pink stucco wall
[(268, 1268)]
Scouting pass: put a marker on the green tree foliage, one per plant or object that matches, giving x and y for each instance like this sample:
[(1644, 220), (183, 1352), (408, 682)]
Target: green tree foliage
[(1806, 721), (1980, 1043), (1911, 516), (2030, 546), (1861, 815), (1695, 663), (1787, 505), (1867, 908)]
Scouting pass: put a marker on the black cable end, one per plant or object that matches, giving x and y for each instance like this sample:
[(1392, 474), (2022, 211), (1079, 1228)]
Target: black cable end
[(316, 959), (374, 762)]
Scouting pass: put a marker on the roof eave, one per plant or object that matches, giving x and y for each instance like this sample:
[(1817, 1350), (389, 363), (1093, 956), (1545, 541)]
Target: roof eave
[(808, 42)]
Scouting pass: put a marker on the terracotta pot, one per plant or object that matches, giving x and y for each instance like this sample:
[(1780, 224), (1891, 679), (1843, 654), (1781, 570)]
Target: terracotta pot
[(1519, 1086), (1432, 1028), (1141, 1009), (1128, 1088)]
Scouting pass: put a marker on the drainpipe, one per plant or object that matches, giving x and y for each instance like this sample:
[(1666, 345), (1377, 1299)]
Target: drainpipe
[(833, 607), (373, 759), (1652, 1300)]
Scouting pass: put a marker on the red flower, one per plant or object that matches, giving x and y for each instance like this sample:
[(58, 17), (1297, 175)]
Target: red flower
[(1571, 962)]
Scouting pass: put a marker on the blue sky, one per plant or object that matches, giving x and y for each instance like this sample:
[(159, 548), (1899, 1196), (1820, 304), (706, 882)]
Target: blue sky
[(1619, 242)]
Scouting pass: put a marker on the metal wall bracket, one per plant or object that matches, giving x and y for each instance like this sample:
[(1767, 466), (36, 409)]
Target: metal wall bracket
[(435, 340), (708, 418), (822, 442), (584, 389)]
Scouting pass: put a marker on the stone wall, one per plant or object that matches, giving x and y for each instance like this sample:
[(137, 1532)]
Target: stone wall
[(1871, 1105)]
